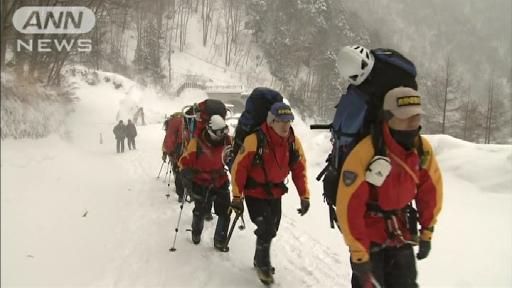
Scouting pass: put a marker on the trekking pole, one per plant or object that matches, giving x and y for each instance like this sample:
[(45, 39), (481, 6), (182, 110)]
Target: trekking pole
[(231, 229), (168, 189), (160, 170), (169, 181), (374, 282), (172, 249), (242, 226), (167, 171)]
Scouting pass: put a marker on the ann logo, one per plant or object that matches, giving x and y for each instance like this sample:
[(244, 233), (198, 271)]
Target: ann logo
[(34, 20), (53, 20)]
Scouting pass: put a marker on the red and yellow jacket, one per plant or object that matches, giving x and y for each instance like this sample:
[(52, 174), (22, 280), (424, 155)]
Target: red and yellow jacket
[(275, 160), (406, 182), (206, 161), (175, 136)]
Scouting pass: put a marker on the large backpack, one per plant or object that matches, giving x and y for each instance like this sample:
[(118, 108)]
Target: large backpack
[(255, 113), (169, 119), (358, 114), (198, 114)]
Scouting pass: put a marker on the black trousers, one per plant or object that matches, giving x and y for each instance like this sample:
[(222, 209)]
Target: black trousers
[(266, 215), (177, 179), (392, 267), (120, 145), (203, 195), (131, 143)]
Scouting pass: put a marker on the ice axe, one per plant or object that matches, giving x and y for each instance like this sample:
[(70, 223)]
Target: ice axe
[(238, 214)]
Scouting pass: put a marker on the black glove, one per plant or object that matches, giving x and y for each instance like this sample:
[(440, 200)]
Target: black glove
[(304, 207), (363, 271), (424, 250), (237, 205), (164, 156)]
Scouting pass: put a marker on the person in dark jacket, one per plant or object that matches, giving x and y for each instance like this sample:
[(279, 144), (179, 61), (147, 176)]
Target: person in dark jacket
[(204, 176), (262, 185), (131, 133), (120, 134)]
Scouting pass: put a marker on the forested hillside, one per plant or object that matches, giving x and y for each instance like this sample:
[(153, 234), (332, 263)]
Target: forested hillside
[(290, 45)]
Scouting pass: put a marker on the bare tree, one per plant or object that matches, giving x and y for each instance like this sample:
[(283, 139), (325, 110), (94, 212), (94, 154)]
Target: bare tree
[(232, 26), (171, 15), (183, 13), (473, 117), (206, 17), (488, 116), (6, 28)]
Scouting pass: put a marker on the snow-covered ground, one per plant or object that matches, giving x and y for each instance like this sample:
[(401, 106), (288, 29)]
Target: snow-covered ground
[(76, 214)]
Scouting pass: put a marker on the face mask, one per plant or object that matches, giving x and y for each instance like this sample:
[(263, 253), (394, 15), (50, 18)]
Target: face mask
[(215, 139), (405, 138)]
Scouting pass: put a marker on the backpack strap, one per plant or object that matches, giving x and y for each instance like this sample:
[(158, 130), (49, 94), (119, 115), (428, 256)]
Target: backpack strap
[(294, 155), (421, 151), (377, 135), (261, 142), (258, 160)]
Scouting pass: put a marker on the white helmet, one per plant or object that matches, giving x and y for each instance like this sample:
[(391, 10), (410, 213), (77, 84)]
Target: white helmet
[(355, 63), (217, 127)]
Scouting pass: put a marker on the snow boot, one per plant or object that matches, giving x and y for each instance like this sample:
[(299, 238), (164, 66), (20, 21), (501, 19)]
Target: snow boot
[(221, 233), (272, 268), (262, 261), (208, 216), (197, 227)]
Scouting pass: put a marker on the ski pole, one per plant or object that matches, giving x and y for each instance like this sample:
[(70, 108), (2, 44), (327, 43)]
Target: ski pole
[(167, 171), (169, 181), (160, 170), (231, 229), (242, 226), (168, 189), (172, 249), (168, 185), (374, 282)]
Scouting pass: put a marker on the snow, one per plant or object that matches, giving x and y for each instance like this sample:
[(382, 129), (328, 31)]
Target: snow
[(76, 214)]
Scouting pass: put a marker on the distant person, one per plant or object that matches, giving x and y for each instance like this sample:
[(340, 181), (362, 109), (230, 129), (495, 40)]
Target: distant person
[(139, 113), (131, 133), (120, 134), (142, 116), (377, 195)]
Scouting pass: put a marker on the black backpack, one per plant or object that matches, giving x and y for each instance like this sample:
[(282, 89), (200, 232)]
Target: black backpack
[(255, 113), (198, 114), (359, 114)]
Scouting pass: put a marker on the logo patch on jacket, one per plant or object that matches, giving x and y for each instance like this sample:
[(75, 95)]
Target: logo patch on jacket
[(349, 177)]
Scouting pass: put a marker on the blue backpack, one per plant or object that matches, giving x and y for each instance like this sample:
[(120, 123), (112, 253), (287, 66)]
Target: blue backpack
[(255, 112), (358, 114)]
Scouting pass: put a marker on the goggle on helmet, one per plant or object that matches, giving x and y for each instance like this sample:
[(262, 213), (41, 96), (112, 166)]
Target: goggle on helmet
[(217, 127)]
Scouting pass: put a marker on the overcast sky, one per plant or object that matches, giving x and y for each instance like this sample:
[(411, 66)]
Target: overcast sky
[(476, 34)]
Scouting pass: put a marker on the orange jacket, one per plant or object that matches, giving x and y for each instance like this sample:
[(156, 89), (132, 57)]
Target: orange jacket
[(176, 137), (207, 163), (275, 160), (406, 182)]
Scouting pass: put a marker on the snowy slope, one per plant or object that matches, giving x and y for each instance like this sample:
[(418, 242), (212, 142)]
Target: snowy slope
[(76, 214)]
